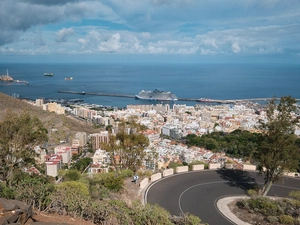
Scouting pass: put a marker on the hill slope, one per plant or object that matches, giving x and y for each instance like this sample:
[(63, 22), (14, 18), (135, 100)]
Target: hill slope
[(65, 126)]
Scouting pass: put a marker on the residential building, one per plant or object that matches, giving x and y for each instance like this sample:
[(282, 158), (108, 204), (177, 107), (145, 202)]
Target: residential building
[(53, 164), (98, 138)]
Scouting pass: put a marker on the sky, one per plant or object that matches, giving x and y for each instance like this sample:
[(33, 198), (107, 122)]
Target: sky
[(150, 31)]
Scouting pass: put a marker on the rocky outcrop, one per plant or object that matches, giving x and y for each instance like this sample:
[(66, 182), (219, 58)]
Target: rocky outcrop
[(14, 212)]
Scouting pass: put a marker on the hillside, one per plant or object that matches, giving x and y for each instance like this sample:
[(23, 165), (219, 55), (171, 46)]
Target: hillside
[(59, 126)]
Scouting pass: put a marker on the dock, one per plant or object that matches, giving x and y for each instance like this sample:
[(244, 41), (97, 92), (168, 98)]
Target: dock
[(232, 101)]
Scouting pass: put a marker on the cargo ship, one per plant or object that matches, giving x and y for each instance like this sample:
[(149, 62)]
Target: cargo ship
[(156, 95), (6, 77), (48, 74)]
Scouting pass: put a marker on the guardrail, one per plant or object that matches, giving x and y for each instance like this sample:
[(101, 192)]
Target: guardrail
[(182, 169), (211, 166)]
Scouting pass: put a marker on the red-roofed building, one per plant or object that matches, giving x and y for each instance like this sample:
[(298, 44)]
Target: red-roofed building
[(53, 164), (65, 152)]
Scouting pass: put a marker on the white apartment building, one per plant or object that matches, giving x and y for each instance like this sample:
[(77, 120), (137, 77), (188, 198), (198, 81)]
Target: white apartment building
[(53, 164), (101, 157), (82, 138), (65, 152)]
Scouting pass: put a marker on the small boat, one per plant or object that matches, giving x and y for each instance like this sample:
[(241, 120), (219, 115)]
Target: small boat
[(22, 81), (69, 78), (48, 74)]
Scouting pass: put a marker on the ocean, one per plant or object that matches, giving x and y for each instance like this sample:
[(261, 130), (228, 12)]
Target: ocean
[(214, 81)]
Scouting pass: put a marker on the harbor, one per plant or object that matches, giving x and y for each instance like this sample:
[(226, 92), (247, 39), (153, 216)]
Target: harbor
[(220, 101)]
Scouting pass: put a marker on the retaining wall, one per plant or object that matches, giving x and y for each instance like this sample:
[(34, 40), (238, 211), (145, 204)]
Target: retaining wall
[(181, 169), (155, 177), (213, 166), (249, 167), (198, 167), (144, 183), (168, 172)]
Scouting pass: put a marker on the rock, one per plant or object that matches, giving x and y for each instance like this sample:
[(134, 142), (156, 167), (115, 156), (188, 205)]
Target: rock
[(14, 212)]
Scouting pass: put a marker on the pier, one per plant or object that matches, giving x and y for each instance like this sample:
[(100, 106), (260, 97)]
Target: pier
[(233, 101)]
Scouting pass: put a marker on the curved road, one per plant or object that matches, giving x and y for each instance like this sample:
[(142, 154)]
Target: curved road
[(198, 192)]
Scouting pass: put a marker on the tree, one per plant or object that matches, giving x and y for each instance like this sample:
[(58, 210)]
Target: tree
[(277, 151), (127, 148), (74, 196), (19, 133), (33, 189)]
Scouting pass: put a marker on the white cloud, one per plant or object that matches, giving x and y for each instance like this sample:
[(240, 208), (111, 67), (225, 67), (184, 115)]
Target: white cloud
[(207, 52), (235, 47), (209, 42), (63, 34), (113, 44), (150, 27)]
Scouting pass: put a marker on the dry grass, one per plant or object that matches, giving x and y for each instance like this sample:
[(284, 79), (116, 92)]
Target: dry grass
[(65, 125)]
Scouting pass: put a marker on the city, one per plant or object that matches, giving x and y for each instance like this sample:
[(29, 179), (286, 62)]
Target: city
[(166, 126)]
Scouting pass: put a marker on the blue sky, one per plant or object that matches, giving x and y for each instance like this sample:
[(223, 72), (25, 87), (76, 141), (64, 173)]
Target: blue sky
[(150, 31)]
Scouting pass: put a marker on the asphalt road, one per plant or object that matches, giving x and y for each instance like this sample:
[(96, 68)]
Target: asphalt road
[(198, 192)]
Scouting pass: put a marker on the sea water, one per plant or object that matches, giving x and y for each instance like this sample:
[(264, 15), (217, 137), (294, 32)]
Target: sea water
[(214, 81)]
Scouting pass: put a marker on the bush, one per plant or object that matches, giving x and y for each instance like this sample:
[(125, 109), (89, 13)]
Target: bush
[(71, 175), (252, 193), (126, 173), (295, 195), (5, 192), (272, 219), (149, 214), (285, 219), (74, 195), (113, 181), (265, 206)]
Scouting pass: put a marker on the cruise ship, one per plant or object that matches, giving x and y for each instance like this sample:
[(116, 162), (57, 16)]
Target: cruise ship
[(156, 95)]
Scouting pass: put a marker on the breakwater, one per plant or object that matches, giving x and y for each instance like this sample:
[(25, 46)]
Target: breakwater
[(232, 101)]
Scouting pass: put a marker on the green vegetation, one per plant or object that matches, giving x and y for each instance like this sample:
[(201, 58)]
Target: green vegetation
[(18, 135), (281, 209), (127, 150), (81, 164), (93, 198), (237, 143), (277, 151)]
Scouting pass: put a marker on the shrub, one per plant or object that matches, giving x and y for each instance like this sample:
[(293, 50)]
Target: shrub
[(149, 214), (126, 173), (252, 193), (71, 175), (5, 192), (272, 219), (74, 196), (189, 219), (295, 195), (285, 219), (265, 206), (295, 203)]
